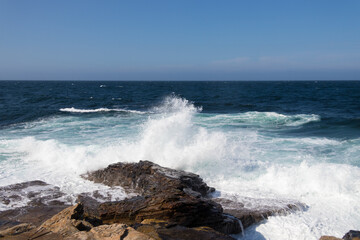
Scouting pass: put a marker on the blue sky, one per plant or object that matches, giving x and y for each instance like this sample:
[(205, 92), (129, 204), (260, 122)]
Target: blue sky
[(180, 40)]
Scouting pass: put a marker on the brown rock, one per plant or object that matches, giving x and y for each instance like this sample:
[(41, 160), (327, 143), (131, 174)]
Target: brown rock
[(68, 222), (146, 178), (329, 238), (21, 228), (34, 215), (182, 233), (110, 232), (174, 207), (29, 236), (177, 197)]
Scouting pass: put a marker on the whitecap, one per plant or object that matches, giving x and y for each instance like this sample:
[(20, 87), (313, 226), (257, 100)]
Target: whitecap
[(75, 110)]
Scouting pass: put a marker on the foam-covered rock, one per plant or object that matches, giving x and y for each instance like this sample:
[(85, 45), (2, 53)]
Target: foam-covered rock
[(259, 211)]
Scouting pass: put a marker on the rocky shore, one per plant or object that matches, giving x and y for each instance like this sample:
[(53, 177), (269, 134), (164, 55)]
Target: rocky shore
[(167, 204)]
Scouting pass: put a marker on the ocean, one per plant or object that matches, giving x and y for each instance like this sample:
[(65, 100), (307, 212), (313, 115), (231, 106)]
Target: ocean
[(271, 141)]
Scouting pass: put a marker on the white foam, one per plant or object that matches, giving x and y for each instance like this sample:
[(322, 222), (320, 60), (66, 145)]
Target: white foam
[(264, 119), (75, 110), (174, 104)]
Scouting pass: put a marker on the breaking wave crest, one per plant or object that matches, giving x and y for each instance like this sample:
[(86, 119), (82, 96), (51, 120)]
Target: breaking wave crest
[(75, 110)]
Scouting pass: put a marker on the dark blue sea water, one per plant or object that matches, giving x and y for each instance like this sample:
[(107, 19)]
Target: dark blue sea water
[(336, 102), (250, 140)]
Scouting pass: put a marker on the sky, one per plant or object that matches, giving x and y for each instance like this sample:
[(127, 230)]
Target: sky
[(179, 40)]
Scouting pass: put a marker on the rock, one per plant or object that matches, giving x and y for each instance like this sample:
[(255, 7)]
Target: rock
[(176, 209), (181, 233), (258, 213), (42, 201), (329, 238), (68, 222), (159, 230), (34, 215), (352, 235), (21, 228), (146, 178), (72, 223), (33, 193), (176, 197), (169, 195), (110, 232)]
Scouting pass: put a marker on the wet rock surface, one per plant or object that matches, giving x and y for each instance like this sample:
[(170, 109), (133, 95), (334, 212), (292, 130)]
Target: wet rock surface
[(263, 209), (32, 193), (32, 202)]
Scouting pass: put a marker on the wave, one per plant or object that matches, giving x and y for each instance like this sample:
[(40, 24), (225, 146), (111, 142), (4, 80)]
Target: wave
[(261, 119), (175, 104), (75, 110)]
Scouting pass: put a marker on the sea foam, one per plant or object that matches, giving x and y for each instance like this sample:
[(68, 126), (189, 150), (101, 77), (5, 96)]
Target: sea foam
[(75, 110)]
